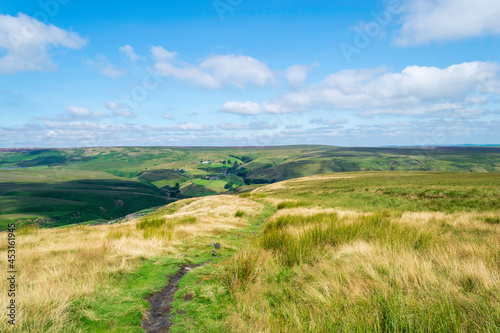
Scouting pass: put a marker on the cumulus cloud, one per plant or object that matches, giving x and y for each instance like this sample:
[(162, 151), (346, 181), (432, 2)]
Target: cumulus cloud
[(244, 108), (452, 130), (159, 54), (129, 52), (440, 20), (297, 74), (28, 43), (215, 72), (416, 90), (79, 112), (112, 106)]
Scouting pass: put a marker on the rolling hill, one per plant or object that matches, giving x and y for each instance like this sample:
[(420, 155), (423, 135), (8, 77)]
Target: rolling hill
[(53, 185)]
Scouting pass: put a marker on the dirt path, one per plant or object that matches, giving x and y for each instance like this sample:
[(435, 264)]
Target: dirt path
[(158, 320)]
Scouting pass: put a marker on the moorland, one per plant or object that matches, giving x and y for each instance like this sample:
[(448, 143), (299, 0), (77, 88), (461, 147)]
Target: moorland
[(58, 187), (365, 251)]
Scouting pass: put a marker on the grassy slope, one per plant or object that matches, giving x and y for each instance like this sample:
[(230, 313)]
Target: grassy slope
[(152, 165), (65, 196), (358, 252)]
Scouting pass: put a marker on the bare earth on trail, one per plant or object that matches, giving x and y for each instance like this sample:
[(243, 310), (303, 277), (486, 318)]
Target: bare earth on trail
[(158, 320)]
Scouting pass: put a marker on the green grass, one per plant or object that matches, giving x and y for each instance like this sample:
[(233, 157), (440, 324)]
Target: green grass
[(326, 229), (373, 269), (47, 170), (409, 191), (239, 213), (118, 306), (24, 194), (294, 204)]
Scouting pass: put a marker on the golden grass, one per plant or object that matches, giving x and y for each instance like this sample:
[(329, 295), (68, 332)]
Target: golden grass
[(57, 266), (365, 284)]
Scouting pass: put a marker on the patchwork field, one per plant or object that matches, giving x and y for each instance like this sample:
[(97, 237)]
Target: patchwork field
[(350, 252), (67, 186), (54, 197)]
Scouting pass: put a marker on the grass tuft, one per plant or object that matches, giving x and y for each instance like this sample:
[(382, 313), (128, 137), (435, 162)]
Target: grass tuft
[(294, 204), (492, 220)]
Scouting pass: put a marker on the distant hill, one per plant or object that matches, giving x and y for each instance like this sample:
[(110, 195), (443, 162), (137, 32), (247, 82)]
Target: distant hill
[(170, 173)]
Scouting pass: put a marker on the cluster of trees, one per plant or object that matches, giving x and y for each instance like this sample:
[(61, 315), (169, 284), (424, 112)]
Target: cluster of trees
[(173, 191), (229, 186), (244, 159), (249, 181)]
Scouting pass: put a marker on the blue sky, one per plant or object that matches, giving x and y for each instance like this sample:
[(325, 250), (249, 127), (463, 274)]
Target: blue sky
[(239, 72)]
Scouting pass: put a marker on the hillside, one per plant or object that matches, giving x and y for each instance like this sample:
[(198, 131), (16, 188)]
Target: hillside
[(362, 251), (52, 185)]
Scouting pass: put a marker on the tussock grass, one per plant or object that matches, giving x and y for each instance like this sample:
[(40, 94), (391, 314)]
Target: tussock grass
[(246, 267), (67, 275), (28, 229), (492, 220), (294, 204), (302, 239), (239, 213), (375, 270)]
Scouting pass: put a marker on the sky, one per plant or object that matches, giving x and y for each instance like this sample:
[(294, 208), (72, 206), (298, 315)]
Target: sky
[(90, 73)]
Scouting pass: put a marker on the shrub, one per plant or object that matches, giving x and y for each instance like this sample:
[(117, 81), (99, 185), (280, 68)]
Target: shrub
[(239, 213)]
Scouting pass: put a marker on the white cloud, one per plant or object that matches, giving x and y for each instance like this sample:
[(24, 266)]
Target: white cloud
[(79, 112), (258, 125), (129, 51), (189, 127), (112, 106), (233, 126), (101, 64), (215, 72), (167, 116), (440, 20), (244, 108), (419, 110), (337, 122), (160, 54), (371, 91), (28, 42), (297, 74)]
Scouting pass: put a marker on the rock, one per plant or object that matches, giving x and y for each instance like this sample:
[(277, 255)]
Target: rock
[(217, 246)]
